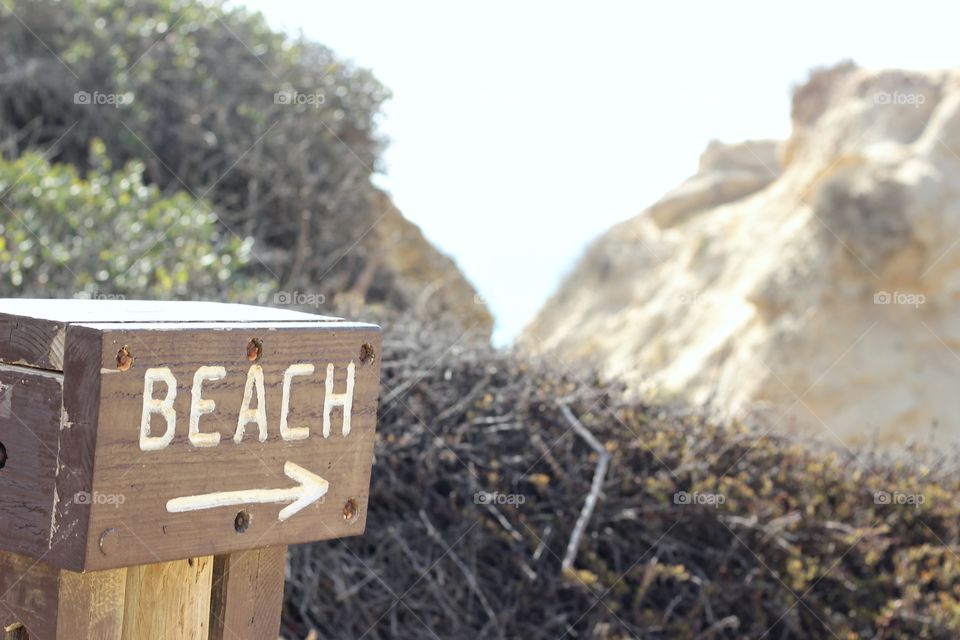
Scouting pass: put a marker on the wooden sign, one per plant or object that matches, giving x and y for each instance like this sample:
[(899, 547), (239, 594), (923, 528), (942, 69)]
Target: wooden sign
[(141, 432)]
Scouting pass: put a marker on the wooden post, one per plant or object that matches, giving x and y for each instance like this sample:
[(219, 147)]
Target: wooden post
[(156, 459), (247, 594), (168, 600)]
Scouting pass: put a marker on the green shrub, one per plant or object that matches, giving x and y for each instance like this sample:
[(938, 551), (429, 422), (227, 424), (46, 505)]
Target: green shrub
[(108, 234), (189, 89)]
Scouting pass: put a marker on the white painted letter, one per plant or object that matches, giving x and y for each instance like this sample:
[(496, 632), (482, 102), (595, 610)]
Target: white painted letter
[(247, 415), (152, 405), (331, 400), (292, 433), (200, 406)]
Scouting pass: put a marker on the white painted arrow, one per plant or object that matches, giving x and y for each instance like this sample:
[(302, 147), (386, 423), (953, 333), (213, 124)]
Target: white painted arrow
[(311, 488)]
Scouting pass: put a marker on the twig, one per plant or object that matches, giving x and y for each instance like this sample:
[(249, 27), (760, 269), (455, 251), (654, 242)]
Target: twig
[(595, 487), (730, 622), (471, 579), (464, 402)]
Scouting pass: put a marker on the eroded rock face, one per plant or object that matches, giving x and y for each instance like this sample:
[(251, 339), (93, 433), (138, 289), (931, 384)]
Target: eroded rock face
[(818, 278), (405, 274)]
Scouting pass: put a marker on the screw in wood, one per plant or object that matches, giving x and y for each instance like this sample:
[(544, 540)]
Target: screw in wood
[(351, 512), (109, 541), (242, 522), (254, 349), (367, 355), (124, 358)]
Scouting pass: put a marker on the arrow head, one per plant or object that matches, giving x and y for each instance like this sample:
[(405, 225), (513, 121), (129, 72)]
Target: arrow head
[(312, 488)]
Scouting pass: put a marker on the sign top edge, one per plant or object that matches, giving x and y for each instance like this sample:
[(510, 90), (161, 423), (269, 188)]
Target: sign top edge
[(149, 311)]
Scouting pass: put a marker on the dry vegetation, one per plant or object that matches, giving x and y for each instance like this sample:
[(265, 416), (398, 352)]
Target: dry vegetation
[(799, 549)]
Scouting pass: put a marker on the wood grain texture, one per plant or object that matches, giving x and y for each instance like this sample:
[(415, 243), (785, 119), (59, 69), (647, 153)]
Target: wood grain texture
[(30, 342), (91, 605), (68, 536), (147, 480), (29, 434), (48, 423), (247, 596), (29, 595), (168, 600), (52, 604)]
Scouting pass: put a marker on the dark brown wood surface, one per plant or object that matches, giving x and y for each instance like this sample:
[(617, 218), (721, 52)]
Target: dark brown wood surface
[(29, 443), (247, 594), (31, 343), (51, 604), (29, 595), (79, 490), (68, 536), (137, 485)]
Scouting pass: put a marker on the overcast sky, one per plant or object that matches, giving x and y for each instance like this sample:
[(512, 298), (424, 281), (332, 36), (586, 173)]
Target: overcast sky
[(520, 131)]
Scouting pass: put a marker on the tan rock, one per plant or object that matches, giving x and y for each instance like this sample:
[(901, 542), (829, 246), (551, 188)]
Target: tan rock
[(404, 273), (818, 279)]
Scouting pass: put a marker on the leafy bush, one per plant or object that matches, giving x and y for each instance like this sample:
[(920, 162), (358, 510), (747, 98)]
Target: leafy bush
[(109, 234), (278, 133)]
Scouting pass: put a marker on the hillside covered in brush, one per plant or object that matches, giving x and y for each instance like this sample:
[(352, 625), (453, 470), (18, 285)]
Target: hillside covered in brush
[(273, 136), (700, 529)]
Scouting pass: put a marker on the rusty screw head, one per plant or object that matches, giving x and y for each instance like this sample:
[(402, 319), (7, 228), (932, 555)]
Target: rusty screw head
[(124, 358), (351, 512), (367, 354), (254, 349)]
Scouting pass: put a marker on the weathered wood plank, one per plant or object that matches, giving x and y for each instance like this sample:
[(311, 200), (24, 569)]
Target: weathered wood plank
[(168, 600), (32, 343), (28, 596), (29, 444), (91, 604), (268, 442), (68, 535), (247, 597), (141, 483), (52, 604)]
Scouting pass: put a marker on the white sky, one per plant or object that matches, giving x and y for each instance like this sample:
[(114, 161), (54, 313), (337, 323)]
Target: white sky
[(522, 130)]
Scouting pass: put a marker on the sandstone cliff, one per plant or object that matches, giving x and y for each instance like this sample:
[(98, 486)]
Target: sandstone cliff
[(402, 272), (818, 278)]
